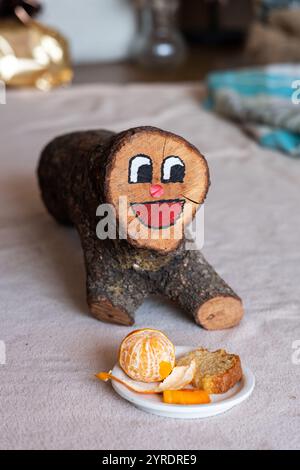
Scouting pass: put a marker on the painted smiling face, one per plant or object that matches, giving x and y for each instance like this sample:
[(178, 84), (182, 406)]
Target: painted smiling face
[(164, 179)]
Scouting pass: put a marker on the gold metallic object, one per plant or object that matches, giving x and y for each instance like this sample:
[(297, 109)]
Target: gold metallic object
[(32, 54)]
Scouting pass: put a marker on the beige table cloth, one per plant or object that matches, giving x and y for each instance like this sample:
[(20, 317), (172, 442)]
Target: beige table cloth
[(49, 398)]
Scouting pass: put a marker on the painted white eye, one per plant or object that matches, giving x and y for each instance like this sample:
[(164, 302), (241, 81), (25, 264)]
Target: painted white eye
[(140, 169), (173, 170)]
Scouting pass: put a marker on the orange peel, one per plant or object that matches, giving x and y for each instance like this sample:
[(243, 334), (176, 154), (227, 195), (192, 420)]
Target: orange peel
[(186, 397), (105, 376), (180, 377)]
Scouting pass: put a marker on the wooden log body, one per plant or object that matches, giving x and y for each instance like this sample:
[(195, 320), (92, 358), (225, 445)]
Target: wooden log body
[(79, 171)]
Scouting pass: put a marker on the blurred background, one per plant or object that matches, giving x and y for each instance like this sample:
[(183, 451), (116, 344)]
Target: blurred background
[(49, 43), (150, 40), (108, 38), (102, 31)]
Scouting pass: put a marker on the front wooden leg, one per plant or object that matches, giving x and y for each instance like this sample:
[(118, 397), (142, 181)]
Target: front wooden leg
[(196, 286), (113, 296), (114, 292), (104, 310)]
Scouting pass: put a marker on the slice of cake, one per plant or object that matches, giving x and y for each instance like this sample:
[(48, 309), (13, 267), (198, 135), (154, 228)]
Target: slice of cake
[(216, 371)]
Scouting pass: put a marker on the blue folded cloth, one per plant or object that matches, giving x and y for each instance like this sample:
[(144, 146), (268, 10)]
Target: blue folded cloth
[(264, 100), (264, 7)]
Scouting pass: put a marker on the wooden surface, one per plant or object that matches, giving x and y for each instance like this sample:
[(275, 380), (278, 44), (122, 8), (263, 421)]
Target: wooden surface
[(200, 61)]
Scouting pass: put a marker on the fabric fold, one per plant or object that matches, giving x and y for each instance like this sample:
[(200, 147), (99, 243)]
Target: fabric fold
[(265, 101)]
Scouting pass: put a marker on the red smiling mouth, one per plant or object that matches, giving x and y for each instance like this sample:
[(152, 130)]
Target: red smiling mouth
[(158, 214)]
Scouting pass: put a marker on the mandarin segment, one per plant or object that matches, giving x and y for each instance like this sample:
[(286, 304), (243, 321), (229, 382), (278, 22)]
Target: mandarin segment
[(147, 355), (165, 368)]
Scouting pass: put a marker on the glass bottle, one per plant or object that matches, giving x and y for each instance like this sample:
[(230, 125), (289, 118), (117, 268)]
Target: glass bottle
[(160, 42)]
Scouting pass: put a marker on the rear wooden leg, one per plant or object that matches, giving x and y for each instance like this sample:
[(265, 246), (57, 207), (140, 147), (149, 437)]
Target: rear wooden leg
[(200, 291)]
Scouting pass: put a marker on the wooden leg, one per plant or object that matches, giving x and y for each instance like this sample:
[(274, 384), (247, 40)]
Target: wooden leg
[(219, 313), (196, 286), (102, 309), (114, 296), (113, 293)]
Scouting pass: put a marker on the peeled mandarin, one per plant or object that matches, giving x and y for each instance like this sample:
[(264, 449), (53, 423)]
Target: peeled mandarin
[(147, 355)]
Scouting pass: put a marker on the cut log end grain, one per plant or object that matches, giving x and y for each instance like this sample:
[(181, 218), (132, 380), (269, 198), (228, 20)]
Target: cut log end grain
[(103, 310), (172, 173), (220, 313)]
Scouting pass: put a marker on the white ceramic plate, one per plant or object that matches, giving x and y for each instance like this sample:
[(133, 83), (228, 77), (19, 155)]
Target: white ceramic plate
[(219, 404)]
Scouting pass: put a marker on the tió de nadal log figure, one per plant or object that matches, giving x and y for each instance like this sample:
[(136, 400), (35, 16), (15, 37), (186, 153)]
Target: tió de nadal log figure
[(160, 179)]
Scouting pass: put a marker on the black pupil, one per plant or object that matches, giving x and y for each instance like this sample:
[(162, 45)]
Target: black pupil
[(177, 174), (144, 174)]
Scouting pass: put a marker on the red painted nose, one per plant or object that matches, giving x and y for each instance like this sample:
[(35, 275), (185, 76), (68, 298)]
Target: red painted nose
[(156, 190)]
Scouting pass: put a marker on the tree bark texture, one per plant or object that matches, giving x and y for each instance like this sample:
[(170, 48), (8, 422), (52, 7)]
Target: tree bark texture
[(119, 275)]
